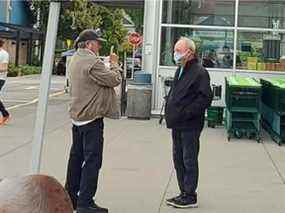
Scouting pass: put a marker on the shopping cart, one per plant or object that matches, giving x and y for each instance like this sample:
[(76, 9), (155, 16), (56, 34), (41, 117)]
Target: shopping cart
[(243, 103), (215, 113), (167, 84)]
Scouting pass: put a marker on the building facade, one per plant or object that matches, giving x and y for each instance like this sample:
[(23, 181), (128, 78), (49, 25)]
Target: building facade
[(233, 37), (15, 12), (15, 16)]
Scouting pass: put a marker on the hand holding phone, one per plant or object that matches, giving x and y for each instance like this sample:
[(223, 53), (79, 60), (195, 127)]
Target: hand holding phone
[(114, 59), (112, 49)]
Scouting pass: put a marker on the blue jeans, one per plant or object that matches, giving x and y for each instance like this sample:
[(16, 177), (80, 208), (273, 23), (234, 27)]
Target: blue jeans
[(186, 147), (84, 163)]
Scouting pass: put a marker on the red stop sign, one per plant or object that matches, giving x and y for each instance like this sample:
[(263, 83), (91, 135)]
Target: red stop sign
[(135, 39)]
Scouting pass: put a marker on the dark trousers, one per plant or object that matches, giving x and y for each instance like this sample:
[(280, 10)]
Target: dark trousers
[(186, 146), (84, 163), (3, 110)]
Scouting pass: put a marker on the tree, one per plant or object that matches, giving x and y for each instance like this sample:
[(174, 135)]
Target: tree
[(39, 8), (78, 15), (137, 16)]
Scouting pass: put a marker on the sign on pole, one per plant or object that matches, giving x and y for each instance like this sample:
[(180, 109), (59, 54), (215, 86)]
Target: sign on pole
[(136, 40)]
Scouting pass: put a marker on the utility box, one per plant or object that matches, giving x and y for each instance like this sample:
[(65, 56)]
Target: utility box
[(139, 101)]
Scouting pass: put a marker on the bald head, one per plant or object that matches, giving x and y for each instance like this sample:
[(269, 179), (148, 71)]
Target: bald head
[(33, 194), (184, 44)]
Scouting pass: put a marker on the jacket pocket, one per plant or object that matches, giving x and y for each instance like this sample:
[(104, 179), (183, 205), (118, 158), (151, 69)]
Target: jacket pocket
[(173, 114)]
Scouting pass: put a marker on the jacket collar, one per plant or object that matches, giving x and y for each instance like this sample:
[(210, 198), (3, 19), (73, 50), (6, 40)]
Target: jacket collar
[(85, 52), (186, 67), (190, 62), (189, 78)]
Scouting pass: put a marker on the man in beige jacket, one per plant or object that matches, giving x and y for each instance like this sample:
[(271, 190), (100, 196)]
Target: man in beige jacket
[(92, 98)]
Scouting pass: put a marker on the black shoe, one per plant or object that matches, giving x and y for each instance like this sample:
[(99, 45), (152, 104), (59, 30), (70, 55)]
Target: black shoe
[(91, 209), (185, 201), (171, 201)]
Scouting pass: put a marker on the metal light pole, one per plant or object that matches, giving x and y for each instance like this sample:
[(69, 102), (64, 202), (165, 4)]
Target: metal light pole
[(38, 138)]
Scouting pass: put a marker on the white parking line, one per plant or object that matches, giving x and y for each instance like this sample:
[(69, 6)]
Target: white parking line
[(31, 87), (15, 100), (35, 100), (13, 82)]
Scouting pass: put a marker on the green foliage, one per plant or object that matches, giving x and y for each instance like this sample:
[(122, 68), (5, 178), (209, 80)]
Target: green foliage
[(81, 15), (84, 14), (244, 55), (43, 8), (126, 46), (21, 70), (13, 71), (35, 60), (114, 31), (137, 16)]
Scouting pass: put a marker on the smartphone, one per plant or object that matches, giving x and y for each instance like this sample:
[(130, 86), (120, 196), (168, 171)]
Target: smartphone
[(112, 49)]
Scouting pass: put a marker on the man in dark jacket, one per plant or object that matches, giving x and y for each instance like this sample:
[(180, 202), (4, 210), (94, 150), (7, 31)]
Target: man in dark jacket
[(187, 101)]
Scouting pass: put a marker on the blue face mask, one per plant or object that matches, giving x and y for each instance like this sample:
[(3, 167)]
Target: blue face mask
[(178, 58)]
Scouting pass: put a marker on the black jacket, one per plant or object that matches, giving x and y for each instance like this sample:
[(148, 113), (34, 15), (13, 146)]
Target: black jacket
[(188, 98)]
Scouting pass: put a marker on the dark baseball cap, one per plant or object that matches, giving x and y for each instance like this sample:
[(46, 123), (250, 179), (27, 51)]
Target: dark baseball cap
[(90, 35)]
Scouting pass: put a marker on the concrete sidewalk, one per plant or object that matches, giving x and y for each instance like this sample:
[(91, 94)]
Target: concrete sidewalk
[(22, 90), (137, 175)]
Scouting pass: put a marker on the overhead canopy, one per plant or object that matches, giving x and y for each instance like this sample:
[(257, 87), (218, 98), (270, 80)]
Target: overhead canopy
[(10, 31), (20, 33)]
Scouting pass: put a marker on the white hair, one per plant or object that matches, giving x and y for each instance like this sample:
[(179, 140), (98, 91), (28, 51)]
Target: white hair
[(190, 43)]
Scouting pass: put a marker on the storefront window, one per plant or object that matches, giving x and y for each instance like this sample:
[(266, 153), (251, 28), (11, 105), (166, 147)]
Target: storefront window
[(257, 49), (199, 12), (214, 47), (262, 14), (264, 51)]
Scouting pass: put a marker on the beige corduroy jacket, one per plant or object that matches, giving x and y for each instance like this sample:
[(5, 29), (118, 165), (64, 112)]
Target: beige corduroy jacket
[(92, 87)]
